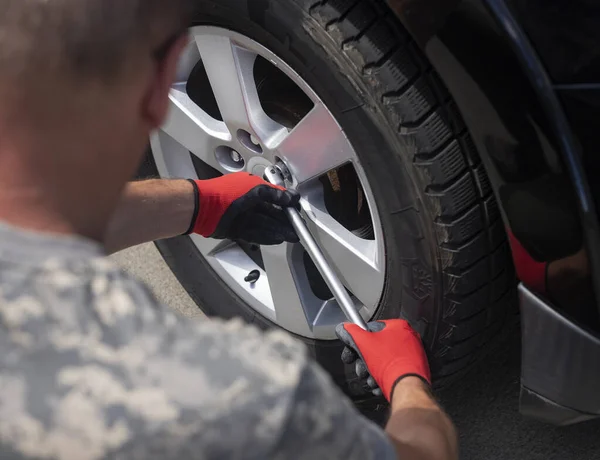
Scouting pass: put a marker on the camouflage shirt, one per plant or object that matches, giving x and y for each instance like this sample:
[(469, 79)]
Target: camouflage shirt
[(92, 367)]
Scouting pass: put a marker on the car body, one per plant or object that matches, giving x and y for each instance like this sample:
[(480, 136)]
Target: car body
[(526, 78)]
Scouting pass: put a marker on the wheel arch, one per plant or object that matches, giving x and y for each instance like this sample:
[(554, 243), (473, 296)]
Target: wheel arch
[(514, 116)]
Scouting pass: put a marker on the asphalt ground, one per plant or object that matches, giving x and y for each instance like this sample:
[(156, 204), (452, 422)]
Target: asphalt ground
[(484, 405)]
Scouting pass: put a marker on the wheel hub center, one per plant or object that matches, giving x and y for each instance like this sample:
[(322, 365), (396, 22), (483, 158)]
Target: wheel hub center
[(257, 165)]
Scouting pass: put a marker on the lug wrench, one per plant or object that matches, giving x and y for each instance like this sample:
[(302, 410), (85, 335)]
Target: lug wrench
[(275, 176)]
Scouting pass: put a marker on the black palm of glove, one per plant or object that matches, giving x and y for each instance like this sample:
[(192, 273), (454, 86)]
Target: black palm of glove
[(244, 207)]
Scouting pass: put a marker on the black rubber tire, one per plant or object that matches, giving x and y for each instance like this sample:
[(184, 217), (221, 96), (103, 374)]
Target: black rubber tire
[(448, 264)]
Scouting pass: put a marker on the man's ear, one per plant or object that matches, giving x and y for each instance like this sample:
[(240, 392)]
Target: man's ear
[(156, 104)]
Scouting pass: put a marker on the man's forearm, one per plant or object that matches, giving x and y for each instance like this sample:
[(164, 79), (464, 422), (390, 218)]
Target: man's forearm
[(150, 210), (418, 427)]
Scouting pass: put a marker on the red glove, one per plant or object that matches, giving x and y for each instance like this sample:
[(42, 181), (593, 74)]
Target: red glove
[(390, 352), (243, 207)]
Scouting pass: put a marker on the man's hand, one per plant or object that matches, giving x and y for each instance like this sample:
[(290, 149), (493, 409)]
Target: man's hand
[(236, 206), (391, 351), (393, 355), (244, 207)]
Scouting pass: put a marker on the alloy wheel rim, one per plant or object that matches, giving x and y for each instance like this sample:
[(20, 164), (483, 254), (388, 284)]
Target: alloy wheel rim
[(245, 138)]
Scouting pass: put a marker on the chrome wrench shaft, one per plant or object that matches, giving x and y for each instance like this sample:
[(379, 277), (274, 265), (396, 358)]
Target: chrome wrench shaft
[(275, 177)]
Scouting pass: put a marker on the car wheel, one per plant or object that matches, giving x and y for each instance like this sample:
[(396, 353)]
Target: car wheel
[(392, 186)]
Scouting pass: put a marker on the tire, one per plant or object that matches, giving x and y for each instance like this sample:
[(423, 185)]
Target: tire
[(448, 268)]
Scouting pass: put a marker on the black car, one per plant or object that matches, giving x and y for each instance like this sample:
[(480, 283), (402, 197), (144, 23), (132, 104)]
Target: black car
[(445, 152)]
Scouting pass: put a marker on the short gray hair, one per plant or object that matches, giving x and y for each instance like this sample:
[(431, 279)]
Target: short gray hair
[(81, 38)]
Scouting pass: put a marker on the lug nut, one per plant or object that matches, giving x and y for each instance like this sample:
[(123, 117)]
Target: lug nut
[(236, 157)]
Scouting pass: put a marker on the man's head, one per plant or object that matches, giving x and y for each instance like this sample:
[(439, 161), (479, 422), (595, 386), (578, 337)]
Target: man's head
[(82, 83)]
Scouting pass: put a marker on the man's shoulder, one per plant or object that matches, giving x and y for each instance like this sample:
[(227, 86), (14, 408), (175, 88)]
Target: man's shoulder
[(109, 365), (70, 294), (94, 367), (99, 300)]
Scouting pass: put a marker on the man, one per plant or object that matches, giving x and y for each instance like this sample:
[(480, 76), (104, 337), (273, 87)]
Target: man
[(91, 366)]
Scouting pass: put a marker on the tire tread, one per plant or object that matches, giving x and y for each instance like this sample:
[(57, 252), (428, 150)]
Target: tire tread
[(477, 269)]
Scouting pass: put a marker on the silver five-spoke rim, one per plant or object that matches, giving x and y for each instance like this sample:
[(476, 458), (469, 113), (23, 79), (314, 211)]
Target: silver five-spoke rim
[(248, 139)]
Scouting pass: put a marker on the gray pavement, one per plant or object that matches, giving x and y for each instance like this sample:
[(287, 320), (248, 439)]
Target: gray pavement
[(146, 264), (483, 405)]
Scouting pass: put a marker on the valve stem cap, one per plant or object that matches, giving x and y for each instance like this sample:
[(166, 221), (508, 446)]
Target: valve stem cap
[(252, 277)]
